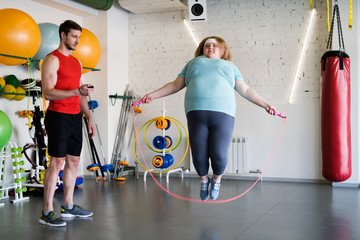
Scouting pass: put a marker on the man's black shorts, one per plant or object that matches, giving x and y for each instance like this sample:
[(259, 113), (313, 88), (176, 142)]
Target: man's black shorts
[(64, 133)]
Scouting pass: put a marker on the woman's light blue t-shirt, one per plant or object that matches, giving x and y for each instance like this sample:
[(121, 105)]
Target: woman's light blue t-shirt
[(210, 84)]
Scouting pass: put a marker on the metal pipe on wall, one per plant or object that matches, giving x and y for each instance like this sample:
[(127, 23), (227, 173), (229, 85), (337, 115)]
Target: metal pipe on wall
[(98, 4)]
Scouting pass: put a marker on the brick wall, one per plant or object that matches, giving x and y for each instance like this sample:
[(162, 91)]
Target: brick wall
[(266, 40), (265, 37)]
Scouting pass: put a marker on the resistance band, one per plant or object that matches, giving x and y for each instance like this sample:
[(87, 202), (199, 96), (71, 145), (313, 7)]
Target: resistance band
[(198, 200)]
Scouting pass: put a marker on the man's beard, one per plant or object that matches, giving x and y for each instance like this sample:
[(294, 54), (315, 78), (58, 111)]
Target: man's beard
[(69, 47)]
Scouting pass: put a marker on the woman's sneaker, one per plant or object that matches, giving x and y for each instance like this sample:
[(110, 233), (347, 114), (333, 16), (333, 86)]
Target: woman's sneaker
[(76, 211), (215, 189), (204, 190), (52, 219)]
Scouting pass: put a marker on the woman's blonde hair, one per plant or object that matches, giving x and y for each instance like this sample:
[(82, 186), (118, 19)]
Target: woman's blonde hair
[(226, 54)]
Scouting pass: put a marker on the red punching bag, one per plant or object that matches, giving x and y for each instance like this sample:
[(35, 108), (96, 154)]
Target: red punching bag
[(335, 110)]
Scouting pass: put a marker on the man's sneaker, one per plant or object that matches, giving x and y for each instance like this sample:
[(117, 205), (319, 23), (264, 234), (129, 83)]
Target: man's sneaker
[(52, 219), (215, 189), (204, 190), (76, 211)]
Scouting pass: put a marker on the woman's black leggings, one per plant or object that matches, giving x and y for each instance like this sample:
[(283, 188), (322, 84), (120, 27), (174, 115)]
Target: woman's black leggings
[(210, 136)]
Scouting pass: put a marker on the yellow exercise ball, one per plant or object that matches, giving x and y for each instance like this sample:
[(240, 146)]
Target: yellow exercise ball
[(2, 82), (8, 89), (19, 97), (88, 51), (19, 36)]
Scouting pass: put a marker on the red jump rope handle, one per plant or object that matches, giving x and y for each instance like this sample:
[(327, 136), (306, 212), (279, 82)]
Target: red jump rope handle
[(280, 115), (137, 103)]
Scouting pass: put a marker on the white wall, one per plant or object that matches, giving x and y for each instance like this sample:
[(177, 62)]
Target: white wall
[(110, 28), (117, 67), (41, 14)]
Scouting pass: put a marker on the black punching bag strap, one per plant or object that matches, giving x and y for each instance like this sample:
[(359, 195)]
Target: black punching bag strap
[(336, 14)]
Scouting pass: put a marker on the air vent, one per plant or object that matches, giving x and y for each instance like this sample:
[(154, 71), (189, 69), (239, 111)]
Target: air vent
[(148, 6)]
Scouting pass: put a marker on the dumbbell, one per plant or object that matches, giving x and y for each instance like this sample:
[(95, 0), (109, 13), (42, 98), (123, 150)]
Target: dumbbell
[(19, 171), (18, 163), (161, 142), (163, 161), (16, 149), (162, 123), (19, 190), (17, 180)]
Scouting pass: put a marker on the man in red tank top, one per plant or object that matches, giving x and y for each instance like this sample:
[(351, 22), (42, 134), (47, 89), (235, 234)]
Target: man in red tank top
[(61, 84)]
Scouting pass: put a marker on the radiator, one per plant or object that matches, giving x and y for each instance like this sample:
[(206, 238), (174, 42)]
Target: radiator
[(238, 157)]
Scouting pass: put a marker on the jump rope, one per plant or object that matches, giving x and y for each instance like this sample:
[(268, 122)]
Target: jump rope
[(198, 200)]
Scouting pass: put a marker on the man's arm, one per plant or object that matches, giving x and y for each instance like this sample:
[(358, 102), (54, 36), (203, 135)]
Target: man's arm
[(84, 105), (49, 70)]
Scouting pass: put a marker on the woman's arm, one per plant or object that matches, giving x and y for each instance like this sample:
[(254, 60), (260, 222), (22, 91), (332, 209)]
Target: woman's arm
[(251, 95), (167, 89)]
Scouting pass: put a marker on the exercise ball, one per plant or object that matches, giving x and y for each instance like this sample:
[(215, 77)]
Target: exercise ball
[(12, 80), (19, 97), (5, 129), (8, 89), (2, 82), (19, 36), (88, 51), (50, 40)]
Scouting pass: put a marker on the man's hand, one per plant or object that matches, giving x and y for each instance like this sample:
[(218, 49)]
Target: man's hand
[(86, 89)]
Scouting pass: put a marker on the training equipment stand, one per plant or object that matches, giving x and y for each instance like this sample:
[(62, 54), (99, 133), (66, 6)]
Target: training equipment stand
[(37, 134), (162, 142), (11, 151), (119, 154)]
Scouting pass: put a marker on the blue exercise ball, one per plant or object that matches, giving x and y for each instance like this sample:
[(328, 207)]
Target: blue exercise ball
[(50, 40), (5, 129)]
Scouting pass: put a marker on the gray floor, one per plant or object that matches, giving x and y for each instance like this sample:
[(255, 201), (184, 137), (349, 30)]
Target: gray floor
[(138, 210)]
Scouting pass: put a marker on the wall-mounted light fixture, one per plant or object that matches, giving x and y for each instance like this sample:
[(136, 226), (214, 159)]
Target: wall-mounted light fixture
[(312, 14), (190, 31)]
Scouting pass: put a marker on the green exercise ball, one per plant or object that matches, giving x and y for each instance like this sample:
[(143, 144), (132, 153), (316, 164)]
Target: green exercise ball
[(5, 129), (12, 80)]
